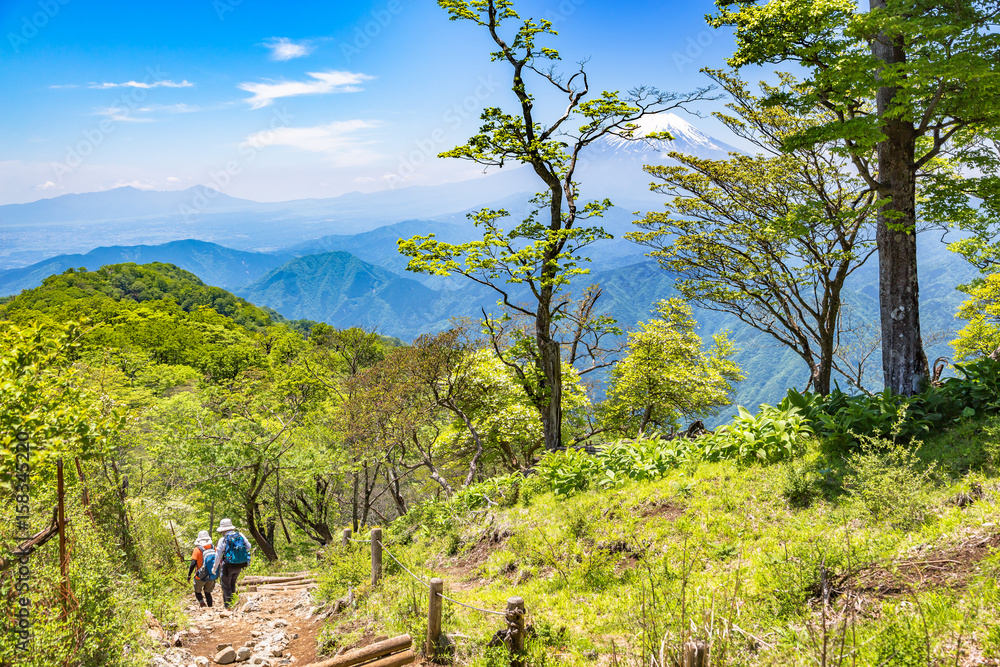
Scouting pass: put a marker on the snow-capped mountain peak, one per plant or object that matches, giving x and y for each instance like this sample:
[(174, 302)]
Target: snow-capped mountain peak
[(687, 138)]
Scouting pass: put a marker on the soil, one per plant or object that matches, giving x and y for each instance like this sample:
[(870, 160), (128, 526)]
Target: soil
[(950, 567), (663, 509), (273, 604)]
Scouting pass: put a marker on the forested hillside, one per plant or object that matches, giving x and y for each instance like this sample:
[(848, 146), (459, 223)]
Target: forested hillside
[(562, 334), (182, 404)]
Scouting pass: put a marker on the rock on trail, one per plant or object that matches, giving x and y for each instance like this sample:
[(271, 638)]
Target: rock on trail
[(272, 626)]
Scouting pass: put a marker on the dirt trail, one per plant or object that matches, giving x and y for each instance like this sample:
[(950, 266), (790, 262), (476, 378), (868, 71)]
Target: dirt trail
[(276, 623)]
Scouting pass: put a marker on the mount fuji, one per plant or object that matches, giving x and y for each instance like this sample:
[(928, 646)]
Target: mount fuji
[(687, 139)]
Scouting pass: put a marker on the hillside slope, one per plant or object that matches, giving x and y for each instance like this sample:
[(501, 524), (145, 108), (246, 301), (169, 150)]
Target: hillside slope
[(770, 565), (340, 289)]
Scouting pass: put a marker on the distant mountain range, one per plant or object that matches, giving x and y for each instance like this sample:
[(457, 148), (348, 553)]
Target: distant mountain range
[(213, 263), (78, 223)]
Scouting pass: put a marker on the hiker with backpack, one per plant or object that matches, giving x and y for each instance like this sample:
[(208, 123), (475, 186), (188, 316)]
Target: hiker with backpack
[(231, 556), (202, 566)]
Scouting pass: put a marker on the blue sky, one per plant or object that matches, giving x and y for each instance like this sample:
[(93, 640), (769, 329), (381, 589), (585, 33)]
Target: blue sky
[(273, 101)]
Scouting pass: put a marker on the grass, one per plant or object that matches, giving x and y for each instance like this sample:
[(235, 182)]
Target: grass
[(832, 559)]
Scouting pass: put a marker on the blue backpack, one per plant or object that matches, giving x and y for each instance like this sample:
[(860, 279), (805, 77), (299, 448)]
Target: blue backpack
[(237, 549), (205, 573)]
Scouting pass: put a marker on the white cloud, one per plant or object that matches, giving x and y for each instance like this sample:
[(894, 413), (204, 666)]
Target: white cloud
[(171, 108), (121, 115), (173, 179), (138, 184), (337, 140), (46, 185), (264, 94), (283, 48), (164, 83)]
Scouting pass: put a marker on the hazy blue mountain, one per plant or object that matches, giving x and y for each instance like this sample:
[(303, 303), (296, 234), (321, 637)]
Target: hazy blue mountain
[(379, 246), (343, 290), (74, 223), (314, 287), (339, 288), (125, 203), (214, 264)]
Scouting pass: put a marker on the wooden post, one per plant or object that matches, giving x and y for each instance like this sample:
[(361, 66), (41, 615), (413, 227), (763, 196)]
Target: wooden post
[(434, 605), (347, 537), (376, 555), (694, 654), (515, 626), (63, 560)]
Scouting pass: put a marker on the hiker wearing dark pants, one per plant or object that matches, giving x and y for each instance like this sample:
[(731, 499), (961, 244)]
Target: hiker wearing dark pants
[(202, 564), (232, 555)]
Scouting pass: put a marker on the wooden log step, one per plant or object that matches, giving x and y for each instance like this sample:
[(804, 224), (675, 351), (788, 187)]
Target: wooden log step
[(387, 653), (273, 580), (304, 582), (309, 587)]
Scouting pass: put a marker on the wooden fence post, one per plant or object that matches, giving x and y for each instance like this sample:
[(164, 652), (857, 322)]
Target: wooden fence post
[(63, 558), (376, 555), (694, 654), (347, 537), (515, 625), (434, 605)]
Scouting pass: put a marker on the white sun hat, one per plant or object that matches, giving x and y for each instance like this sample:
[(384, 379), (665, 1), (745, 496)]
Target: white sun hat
[(202, 539), (225, 526)]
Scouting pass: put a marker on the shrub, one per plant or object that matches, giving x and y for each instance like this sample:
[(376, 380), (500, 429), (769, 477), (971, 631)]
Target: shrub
[(773, 434), (885, 477), (838, 417), (804, 483), (574, 470), (567, 472)]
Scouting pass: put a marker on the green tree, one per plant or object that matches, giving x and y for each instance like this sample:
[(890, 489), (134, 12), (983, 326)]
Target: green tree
[(44, 402), (770, 238), (981, 336), (667, 375), (543, 252), (909, 79)]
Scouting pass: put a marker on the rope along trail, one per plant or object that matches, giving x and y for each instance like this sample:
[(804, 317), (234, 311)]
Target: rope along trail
[(426, 583)]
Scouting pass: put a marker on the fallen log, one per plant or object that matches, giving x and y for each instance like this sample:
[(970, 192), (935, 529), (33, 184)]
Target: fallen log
[(387, 653)]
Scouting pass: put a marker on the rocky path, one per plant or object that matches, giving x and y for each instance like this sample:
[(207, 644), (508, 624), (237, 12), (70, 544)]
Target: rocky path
[(273, 625)]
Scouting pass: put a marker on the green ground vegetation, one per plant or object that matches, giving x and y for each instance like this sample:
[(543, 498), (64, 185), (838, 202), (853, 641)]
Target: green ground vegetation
[(883, 553)]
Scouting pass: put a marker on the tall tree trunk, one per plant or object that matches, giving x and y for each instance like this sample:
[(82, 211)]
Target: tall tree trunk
[(550, 360), (277, 502), (904, 363), (354, 505), (258, 536), (647, 414), (392, 478), (367, 505)]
